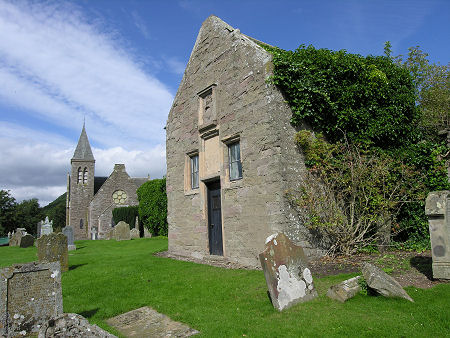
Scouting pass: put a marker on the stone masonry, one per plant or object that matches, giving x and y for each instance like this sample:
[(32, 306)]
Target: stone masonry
[(103, 203), (227, 72), (30, 294)]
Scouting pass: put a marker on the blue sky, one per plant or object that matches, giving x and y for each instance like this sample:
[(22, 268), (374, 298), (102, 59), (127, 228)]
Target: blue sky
[(118, 64)]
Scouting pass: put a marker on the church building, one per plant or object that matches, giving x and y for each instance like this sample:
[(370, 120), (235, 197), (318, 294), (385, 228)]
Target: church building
[(90, 199)]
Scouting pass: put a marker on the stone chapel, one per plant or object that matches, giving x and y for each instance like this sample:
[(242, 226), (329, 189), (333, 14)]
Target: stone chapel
[(230, 152), (91, 199)]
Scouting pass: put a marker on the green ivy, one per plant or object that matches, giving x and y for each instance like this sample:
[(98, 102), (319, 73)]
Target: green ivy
[(126, 214), (153, 206)]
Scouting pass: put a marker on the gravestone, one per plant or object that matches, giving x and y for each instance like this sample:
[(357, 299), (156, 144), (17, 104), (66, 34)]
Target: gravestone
[(39, 227), (46, 227), (345, 290), (382, 283), (68, 232), (287, 274), (30, 294), (9, 234), (136, 223), (147, 234), (15, 239), (437, 208), (122, 231), (134, 233), (94, 233), (52, 248), (110, 234), (26, 241)]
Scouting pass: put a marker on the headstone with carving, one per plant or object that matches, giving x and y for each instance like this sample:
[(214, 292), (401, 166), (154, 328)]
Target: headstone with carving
[(147, 234), (134, 233), (382, 283), (46, 227), (68, 232), (26, 241), (345, 290), (122, 231), (30, 294), (287, 274), (52, 248), (437, 208)]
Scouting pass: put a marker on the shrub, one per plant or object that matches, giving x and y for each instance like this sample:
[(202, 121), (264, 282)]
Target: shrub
[(126, 214), (153, 206)]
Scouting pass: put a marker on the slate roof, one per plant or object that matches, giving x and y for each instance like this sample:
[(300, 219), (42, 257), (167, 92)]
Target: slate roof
[(83, 150), (98, 182), (139, 180)]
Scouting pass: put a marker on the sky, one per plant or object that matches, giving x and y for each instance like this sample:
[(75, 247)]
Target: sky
[(117, 64)]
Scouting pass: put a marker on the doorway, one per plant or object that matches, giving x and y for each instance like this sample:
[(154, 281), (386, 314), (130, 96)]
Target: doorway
[(214, 219)]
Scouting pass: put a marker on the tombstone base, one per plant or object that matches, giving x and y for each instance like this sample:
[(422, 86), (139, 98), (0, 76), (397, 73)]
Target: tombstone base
[(441, 270), (71, 247)]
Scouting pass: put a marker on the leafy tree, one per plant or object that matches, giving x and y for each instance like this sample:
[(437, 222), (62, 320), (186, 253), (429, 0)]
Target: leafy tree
[(28, 214), (56, 212), (7, 212), (153, 206)]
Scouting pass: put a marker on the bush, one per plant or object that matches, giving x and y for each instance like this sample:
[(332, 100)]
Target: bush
[(153, 206), (126, 214)]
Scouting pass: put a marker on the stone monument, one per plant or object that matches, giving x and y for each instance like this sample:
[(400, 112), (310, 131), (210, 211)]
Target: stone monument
[(26, 241), (134, 233), (68, 232), (30, 294), (147, 234), (46, 227), (287, 274), (52, 248), (122, 231), (437, 208)]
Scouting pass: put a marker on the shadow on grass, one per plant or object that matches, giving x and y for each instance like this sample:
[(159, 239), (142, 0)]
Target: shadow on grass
[(73, 267), (423, 265), (80, 247), (89, 313)]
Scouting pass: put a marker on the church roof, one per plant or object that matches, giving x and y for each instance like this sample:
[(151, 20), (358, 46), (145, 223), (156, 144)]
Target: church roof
[(83, 150), (139, 180)]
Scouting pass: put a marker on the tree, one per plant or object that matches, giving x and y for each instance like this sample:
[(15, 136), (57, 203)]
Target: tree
[(153, 206), (7, 212), (28, 214), (56, 211)]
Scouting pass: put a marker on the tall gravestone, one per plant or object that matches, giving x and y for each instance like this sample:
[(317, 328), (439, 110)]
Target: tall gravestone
[(288, 277), (38, 229), (68, 232), (30, 295), (52, 248), (46, 227), (437, 208)]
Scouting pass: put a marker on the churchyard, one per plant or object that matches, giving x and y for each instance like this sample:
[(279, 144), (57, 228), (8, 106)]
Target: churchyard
[(108, 278)]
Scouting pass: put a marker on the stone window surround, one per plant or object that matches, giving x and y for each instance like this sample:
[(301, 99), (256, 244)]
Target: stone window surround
[(202, 95), (188, 190), (227, 183)]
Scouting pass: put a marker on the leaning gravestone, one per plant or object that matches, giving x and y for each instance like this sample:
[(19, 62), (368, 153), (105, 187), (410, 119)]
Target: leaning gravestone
[(68, 232), (122, 231), (437, 208), (52, 248), (287, 274), (134, 233), (26, 241), (30, 294), (382, 283)]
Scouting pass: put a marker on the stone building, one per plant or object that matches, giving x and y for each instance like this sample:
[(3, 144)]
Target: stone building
[(90, 199), (230, 152)]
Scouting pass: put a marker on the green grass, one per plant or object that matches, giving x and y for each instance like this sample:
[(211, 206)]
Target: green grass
[(107, 278)]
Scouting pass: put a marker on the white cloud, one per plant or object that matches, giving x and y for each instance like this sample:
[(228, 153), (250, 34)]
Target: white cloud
[(175, 66), (54, 56)]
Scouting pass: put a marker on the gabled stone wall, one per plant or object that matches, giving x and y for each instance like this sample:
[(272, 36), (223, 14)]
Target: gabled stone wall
[(244, 107)]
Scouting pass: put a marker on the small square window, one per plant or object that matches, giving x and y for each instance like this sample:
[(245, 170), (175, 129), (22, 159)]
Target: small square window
[(194, 172), (234, 158)]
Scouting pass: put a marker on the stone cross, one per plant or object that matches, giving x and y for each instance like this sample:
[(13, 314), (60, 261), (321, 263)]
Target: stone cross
[(437, 208), (287, 274), (30, 295)]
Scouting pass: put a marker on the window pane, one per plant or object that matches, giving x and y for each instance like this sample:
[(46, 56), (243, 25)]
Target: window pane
[(194, 172), (234, 155)]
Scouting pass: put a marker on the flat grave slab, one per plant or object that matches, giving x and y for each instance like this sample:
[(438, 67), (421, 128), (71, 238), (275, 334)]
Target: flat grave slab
[(146, 322)]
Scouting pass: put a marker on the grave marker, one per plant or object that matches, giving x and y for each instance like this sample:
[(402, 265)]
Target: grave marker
[(52, 248)]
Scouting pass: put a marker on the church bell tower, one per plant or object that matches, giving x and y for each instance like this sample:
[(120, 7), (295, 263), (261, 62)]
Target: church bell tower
[(80, 187)]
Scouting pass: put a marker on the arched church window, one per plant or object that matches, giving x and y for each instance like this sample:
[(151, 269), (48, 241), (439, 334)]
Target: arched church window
[(81, 223), (85, 175), (80, 175)]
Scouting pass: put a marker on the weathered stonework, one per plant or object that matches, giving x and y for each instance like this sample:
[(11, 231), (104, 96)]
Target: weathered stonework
[(30, 294), (26, 241), (224, 98), (52, 248), (122, 231), (437, 208), (134, 233), (103, 203), (288, 277)]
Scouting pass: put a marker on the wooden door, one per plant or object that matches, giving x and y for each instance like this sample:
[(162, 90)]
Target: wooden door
[(214, 219)]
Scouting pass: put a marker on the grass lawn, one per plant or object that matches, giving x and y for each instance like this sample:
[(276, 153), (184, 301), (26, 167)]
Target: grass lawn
[(107, 278)]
